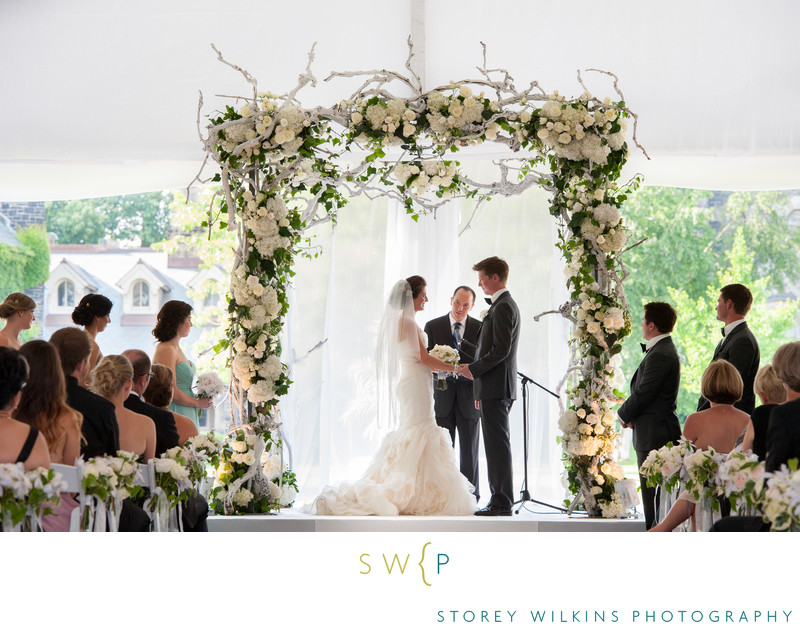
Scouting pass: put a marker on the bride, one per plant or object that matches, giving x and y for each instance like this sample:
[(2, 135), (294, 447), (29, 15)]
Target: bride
[(415, 470)]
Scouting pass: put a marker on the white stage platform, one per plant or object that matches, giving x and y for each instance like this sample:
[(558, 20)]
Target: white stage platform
[(293, 520)]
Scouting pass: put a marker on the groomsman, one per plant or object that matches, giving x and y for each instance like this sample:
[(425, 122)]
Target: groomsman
[(455, 406), (495, 374), (650, 409), (738, 345)]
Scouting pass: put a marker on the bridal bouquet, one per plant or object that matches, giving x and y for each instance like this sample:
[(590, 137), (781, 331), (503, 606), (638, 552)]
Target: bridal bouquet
[(448, 355), (209, 385)]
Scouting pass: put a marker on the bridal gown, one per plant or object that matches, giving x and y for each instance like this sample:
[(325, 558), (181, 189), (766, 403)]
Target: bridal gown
[(415, 471)]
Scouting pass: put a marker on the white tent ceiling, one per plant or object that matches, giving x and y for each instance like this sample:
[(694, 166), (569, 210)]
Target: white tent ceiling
[(99, 97)]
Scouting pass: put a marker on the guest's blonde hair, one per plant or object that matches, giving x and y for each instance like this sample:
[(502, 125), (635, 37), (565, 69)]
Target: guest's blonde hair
[(769, 386), (721, 383), (15, 302), (110, 375), (786, 363)]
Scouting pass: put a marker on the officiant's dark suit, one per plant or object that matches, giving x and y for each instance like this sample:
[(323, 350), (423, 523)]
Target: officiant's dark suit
[(495, 387), (455, 406), (738, 346), (650, 408)]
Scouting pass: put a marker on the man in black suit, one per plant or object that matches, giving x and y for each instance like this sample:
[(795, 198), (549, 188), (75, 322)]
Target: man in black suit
[(739, 345), (495, 386), (650, 409), (455, 406), (99, 428), (166, 431)]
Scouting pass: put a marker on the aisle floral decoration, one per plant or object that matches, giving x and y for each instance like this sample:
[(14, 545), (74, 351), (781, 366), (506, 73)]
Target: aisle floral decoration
[(107, 482), (283, 169), (702, 468), (664, 466), (781, 502), (27, 496), (741, 477)]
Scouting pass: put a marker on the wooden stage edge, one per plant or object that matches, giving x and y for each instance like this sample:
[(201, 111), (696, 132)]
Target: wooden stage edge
[(294, 520)]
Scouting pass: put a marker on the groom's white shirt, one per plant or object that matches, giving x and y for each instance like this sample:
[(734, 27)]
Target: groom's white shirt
[(656, 339), (497, 294), (733, 325)]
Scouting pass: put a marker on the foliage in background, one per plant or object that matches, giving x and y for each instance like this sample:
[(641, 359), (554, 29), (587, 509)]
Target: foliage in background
[(697, 242), (27, 265), (142, 218)]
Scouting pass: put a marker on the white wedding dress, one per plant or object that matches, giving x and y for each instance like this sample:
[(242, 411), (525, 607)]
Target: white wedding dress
[(415, 470)]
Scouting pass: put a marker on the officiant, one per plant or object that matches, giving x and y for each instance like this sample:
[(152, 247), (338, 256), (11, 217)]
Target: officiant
[(455, 406)]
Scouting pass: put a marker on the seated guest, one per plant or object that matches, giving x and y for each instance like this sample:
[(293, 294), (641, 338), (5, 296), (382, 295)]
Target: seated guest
[(717, 427), (166, 432), (93, 313), (19, 442), (783, 432), (772, 393), (17, 309), (112, 379), (100, 429), (44, 405), (159, 394)]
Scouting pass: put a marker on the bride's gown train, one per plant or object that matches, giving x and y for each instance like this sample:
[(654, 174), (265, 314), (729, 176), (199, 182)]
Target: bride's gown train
[(415, 470)]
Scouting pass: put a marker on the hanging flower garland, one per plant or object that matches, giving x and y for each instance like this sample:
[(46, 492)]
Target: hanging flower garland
[(283, 170)]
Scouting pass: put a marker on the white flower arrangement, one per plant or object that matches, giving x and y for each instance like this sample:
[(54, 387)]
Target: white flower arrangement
[(27, 496), (781, 502)]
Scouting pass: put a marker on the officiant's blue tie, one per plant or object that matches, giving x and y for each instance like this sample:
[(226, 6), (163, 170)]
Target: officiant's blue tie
[(457, 335)]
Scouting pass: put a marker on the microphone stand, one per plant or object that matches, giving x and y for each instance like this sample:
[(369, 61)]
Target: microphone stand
[(525, 495)]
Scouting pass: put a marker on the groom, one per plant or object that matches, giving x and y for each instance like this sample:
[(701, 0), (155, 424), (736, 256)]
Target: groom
[(495, 374)]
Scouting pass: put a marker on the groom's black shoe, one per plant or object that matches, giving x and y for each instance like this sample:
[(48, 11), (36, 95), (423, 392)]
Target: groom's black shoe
[(493, 510)]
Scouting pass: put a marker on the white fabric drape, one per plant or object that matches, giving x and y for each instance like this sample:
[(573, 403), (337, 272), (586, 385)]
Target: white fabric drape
[(338, 298)]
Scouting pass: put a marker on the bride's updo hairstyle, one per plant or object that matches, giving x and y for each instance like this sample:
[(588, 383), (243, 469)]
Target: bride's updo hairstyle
[(91, 306), (721, 383), (170, 318), (14, 303), (417, 284), (111, 374)]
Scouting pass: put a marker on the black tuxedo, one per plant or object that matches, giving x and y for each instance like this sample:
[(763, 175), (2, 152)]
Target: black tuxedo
[(455, 406), (740, 348), (495, 373), (651, 409), (99, 428), (101, 434), (166, 431)]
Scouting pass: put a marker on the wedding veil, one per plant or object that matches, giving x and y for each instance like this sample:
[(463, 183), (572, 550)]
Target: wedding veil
[(397, 326)]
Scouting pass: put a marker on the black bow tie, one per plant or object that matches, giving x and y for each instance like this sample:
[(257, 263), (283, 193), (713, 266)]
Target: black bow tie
[(488, 301), (644, 347), (722, 330)]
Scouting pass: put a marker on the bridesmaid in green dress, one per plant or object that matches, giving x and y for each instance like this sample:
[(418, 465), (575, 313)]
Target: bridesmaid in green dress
[(173, 323)]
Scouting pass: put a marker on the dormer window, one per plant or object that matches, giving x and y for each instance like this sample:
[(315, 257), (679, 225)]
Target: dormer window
[(66, 293), (211, 299), (141, 294)]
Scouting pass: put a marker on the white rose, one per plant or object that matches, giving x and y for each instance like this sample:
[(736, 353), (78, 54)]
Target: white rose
[(239, 446)]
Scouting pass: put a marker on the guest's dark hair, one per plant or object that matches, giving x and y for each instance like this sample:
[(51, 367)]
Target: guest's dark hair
[(740, 296), (44, 398), (466, 288), (15, 302), (170, 318), (417, 284), (91, 306), (492, 266), (73, 346), (662, 315), (139, 361), (721, 383), (13, 374), (159, 389)]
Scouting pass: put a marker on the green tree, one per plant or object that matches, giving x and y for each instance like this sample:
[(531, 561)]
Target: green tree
[(143, 217), (696, 242), (37, 267)]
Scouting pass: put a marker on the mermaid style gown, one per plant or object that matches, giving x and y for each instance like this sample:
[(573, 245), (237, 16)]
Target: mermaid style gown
[(415, 471), (184, 377)]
